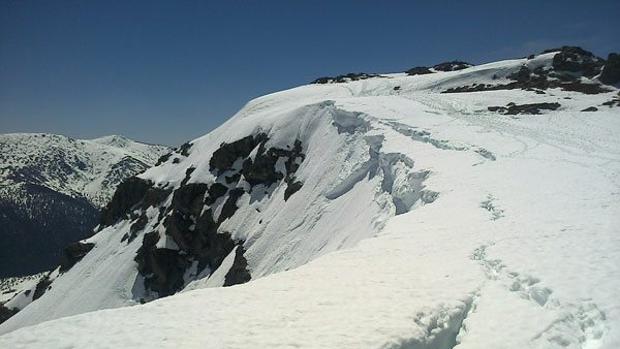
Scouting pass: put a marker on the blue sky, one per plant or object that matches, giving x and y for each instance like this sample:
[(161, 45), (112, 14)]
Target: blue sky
[(169, 71)]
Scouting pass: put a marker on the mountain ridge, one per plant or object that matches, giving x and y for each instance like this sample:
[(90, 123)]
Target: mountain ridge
[(53, 187), (416, 216)]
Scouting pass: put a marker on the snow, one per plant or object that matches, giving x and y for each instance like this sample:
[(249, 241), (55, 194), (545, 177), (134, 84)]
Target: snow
[(75, 167), (9, 287), (517, 249)]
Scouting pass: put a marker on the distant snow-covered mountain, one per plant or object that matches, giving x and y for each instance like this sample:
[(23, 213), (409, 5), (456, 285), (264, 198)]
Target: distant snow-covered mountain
[(452, 206), (52, 188)]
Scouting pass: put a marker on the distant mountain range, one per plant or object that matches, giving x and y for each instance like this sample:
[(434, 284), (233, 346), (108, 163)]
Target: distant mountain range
[(52, 188)]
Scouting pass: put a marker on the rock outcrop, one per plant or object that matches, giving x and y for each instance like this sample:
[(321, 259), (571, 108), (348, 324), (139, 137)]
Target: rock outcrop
[(193, 242)]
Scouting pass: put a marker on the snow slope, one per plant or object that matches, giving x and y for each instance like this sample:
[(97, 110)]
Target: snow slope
[(424, 221)]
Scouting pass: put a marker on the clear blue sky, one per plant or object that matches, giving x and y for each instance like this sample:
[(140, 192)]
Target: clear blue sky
[(169, 71)]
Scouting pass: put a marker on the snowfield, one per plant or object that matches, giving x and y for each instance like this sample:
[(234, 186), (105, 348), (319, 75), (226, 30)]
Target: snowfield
[(424, 221)]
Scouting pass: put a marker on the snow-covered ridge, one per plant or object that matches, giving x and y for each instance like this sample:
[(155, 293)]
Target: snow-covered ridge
[(422, 219), (75, 167)]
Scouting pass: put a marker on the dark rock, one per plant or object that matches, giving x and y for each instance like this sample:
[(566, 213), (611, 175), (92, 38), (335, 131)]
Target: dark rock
[(162, 268), (136, 227), (452, 66), (344, 78), (613, 103), (163, 159), (291, 188), (188, 175), (522, 75), (611, 71), (261, 170), (396, 88), (532, 108), (536, 82), (127, 195), (230, 206), (184, 149), (189, 220), (588, 89), (188, 199), (216, 190), (238, 272), (225, 156), (154, 197), (165, 271), (419, 71), (234, 179), (6, 313), (575, 59), (41, 287), (590, 109), (73, 254), (210, 246), (568, 65)]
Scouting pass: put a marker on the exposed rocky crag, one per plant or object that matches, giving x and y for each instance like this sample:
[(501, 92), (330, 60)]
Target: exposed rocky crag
[(419, 71), (344, 78), (571, 69), (192, 242), (611, 71), (452, 66), (441, 67)]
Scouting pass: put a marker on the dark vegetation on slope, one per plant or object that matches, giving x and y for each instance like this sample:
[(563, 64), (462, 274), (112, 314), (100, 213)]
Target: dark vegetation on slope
[(190, 222), (37, 223), (39, 213)]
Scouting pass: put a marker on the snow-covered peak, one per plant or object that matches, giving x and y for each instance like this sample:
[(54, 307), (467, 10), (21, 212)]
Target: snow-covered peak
[(113, 140), (76, 167)]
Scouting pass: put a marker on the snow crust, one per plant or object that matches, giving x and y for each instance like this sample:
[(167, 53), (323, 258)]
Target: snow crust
[(425, 221)]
